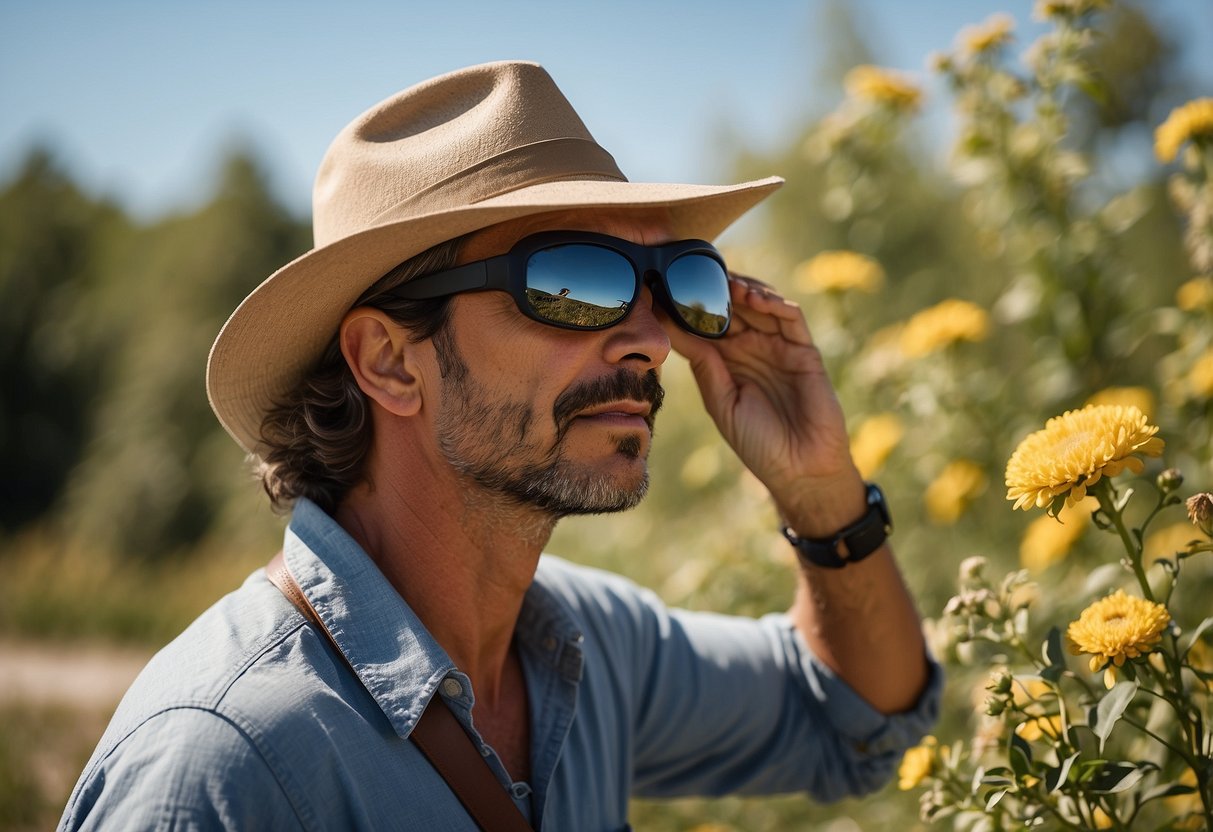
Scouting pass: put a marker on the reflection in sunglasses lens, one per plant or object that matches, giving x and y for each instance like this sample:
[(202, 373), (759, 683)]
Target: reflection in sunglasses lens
[(699, 288), (579, 285)]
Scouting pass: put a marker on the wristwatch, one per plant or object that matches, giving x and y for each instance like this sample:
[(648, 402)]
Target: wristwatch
[(852, 544)]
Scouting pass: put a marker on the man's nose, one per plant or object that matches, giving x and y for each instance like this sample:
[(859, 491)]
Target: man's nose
[(640, 336)]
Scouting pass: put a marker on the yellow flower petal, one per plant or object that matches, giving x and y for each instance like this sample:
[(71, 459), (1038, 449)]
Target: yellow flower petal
[(995, 32), (916, 765), (883, 86), (1075, 450), (1049, 539), (942, 325), (874, 440), (839, 271), (1196, 294), (950, 493), (1117, 628), (1190, 122)]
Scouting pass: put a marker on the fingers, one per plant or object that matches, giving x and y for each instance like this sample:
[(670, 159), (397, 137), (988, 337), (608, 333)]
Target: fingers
[(757, 306)]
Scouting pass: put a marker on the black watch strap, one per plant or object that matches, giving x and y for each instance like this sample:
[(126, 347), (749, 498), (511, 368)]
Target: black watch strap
[(852, 544)]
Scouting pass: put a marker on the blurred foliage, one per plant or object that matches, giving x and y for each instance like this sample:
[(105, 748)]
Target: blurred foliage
[(119, 475), (43, 748), (54, 246)]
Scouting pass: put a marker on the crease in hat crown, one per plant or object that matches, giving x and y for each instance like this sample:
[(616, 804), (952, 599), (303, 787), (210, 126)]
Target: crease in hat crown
[(454, 140), (446, 157)]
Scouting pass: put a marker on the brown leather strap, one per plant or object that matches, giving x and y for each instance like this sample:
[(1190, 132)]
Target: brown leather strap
[(438, 735)]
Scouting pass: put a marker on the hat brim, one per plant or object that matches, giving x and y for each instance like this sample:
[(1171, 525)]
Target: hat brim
[(280, 330)]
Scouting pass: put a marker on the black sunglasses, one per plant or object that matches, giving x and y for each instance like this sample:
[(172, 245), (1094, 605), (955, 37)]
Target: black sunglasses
[(580, 280)]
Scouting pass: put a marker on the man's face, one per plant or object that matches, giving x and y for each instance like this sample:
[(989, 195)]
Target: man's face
[(556, 419)]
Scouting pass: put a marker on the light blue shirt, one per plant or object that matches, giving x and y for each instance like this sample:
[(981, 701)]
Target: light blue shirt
[(250, 720)]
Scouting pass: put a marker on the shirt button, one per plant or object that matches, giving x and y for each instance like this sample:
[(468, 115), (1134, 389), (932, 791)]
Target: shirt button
[(549, 643), (452, 688)]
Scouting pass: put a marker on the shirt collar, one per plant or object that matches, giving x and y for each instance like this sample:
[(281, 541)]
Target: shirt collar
[(384, 641)]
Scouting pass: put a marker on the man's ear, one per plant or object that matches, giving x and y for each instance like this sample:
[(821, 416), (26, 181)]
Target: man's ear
[(383, 359)]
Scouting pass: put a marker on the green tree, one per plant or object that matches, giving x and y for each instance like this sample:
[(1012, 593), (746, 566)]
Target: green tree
[(159, 469), (54, 242)]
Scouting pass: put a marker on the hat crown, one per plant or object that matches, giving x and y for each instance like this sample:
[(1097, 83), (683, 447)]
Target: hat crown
[(411, 154)]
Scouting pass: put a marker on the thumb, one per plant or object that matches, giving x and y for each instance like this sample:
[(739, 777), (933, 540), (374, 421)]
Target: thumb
[(715, 382)]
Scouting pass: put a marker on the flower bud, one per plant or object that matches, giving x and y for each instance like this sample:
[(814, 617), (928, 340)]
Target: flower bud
[(1169, 480), (971, 568), (1200, 511), (1001, 682), (995, 705)]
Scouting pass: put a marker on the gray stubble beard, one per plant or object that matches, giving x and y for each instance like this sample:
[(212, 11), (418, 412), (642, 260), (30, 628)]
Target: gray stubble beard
[(483, 440)]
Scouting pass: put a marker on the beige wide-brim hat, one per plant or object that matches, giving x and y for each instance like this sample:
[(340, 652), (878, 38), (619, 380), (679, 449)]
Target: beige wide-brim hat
[(449, 156)]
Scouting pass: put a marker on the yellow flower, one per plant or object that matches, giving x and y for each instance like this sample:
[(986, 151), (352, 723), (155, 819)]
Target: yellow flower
[(1041, 726), (1025, 692), (838, 271), (1179, 805), (882, 86), (1075, 450), (1139, 397), (944, 324), (1196, 294), (1116, 628), (874, 440), (1046, 9), (950, 493), (1102, 819), (989, 35), (1200, 377), (1192, 121), (917, 765), (1049, 539)]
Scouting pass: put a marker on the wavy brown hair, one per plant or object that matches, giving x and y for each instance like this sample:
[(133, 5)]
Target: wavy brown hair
[(317, 437)]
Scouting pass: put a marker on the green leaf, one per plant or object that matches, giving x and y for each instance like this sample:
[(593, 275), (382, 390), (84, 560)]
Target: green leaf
[(1123, 500), (1056, 778), (1117, 777), (1020, 755), (1166, 790), (1196, 634), (1052, 651), (992, 801), (1111, 708)]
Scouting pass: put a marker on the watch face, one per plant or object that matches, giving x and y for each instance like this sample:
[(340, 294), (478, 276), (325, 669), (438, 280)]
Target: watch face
[(876, 498)]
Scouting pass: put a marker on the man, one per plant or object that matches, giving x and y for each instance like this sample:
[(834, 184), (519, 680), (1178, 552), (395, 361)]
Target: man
[(470, 353)]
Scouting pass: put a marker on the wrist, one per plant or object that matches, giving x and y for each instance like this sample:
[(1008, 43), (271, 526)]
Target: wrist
[(851, 543), (822, 510)]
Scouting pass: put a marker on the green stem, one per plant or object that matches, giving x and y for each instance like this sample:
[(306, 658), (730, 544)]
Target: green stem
[(1107, 501), (1182, 754)]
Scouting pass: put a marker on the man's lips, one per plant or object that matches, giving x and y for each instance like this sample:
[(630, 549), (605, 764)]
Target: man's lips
[(621, 414)]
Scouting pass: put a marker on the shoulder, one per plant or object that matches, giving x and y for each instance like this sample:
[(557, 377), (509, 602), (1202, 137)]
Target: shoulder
[(219, 698), (185, 767)]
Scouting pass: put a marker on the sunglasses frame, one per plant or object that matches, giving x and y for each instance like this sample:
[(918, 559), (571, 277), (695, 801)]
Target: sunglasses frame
[(507, 273)]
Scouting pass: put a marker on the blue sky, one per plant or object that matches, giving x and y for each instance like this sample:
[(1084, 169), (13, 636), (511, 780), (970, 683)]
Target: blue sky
[(141, 99)]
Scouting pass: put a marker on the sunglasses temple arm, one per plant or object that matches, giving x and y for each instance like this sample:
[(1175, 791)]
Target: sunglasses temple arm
[(466, 278)]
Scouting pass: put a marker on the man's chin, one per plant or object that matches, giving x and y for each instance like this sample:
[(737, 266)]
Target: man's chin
[(596, 493)]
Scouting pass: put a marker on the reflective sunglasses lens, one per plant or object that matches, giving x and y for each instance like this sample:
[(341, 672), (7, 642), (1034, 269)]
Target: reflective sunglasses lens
[(699, 288), (580, 285)]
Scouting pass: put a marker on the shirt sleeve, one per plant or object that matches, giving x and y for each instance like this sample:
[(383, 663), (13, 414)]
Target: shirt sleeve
[(183, 769), (724, 704)]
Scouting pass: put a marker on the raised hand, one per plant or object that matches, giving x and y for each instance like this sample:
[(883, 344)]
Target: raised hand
[(767, 390)]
